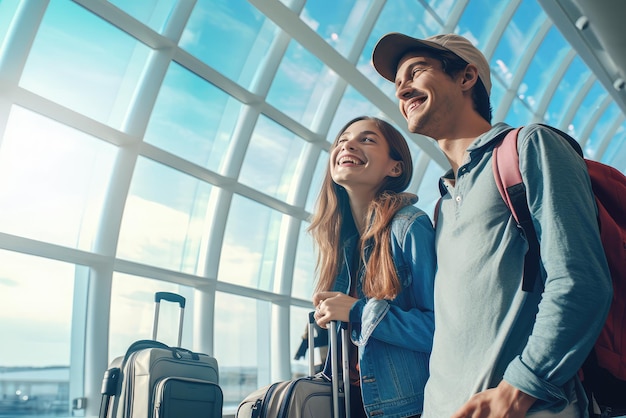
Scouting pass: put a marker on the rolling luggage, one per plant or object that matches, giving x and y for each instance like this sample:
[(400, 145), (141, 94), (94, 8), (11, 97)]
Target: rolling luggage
[(153, 380), (313, 396)]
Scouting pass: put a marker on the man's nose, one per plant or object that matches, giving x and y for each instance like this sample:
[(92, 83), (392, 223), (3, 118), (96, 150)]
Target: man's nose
[(404, 90)]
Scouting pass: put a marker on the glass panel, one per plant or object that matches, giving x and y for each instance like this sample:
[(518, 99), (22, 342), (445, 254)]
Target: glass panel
[(250, 244), (304, 266), (415, 22), (519, 114), (133, 297), (498, 91), (416, 152), (153, 13), (316, 181), (514, 42), (7, 9), (443, 8), (478, 26), (615, 154), (84, 63), (53, 180), (36, 296), (164, 222), (243, 346), (428, 192), (575, 76), (336, 22), (599, 132), (587, 109), (272, 159), (300, 84), (352, 105), (244, 36), (192, 118), (299, 324), (545, 63)]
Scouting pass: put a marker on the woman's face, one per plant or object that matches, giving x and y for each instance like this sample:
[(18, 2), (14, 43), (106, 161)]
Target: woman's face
[(360, 160)]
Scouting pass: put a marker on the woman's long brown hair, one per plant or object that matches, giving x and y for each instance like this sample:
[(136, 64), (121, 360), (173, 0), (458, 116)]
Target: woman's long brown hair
[(333, 207)]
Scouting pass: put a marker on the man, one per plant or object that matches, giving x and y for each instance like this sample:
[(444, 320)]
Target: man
[(499, 351)]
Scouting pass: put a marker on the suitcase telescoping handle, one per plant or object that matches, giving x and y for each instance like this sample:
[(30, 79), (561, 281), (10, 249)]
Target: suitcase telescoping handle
[(334, 362), (170, 297), (345, 367), (311, 338)]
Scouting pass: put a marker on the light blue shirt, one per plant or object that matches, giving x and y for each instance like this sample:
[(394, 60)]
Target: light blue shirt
[(486, 328)]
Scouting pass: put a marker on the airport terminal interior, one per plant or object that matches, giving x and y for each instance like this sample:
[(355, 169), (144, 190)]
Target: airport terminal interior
[(179, 146)]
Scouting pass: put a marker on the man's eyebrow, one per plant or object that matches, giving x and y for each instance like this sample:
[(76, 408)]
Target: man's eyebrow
[(421, 61)]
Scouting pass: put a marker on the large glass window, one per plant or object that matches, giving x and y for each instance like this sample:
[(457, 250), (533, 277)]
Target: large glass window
[(168, 145)]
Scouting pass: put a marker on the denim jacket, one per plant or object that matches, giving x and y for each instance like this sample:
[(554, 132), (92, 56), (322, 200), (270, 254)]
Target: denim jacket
[(394, 337)]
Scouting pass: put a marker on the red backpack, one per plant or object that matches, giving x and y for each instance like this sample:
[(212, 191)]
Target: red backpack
[(604, 371)]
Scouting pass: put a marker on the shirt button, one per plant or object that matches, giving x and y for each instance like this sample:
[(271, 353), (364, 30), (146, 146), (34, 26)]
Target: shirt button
[(458, 198)]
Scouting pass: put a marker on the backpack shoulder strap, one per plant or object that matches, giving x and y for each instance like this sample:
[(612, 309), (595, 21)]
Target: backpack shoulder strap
[(505, 163)]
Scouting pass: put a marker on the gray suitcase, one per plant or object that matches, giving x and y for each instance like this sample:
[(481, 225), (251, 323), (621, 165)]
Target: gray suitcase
[(153, 380), (313, 396)]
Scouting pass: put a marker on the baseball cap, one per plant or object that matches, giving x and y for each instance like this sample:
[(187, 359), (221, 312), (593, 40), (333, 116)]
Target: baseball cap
[(392, 47)]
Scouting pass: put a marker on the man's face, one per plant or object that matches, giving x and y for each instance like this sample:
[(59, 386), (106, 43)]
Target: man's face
[(427, 96)]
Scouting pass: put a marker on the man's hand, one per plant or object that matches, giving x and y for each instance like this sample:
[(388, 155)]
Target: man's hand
[(332, 306), (503, 401)]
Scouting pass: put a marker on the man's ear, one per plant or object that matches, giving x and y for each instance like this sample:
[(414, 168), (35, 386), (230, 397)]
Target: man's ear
[(470, 77)]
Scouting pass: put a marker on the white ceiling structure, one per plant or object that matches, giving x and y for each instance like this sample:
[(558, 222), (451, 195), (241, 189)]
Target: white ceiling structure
[(595, 28)]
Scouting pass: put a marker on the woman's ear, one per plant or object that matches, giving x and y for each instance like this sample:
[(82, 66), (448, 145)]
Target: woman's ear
[(396, 170), (470, 77)]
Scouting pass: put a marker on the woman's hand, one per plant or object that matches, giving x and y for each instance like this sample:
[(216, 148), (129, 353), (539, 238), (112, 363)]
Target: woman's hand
[(332, 306)]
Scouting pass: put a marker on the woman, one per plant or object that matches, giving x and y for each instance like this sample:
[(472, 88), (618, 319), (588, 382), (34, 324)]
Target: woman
[(376, 266)]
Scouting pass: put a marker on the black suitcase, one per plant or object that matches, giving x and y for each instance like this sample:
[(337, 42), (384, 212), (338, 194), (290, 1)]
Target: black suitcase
[(313, 396), (153, 380)]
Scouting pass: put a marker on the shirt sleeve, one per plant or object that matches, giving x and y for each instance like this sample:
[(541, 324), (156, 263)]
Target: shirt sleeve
[(577, 288)]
